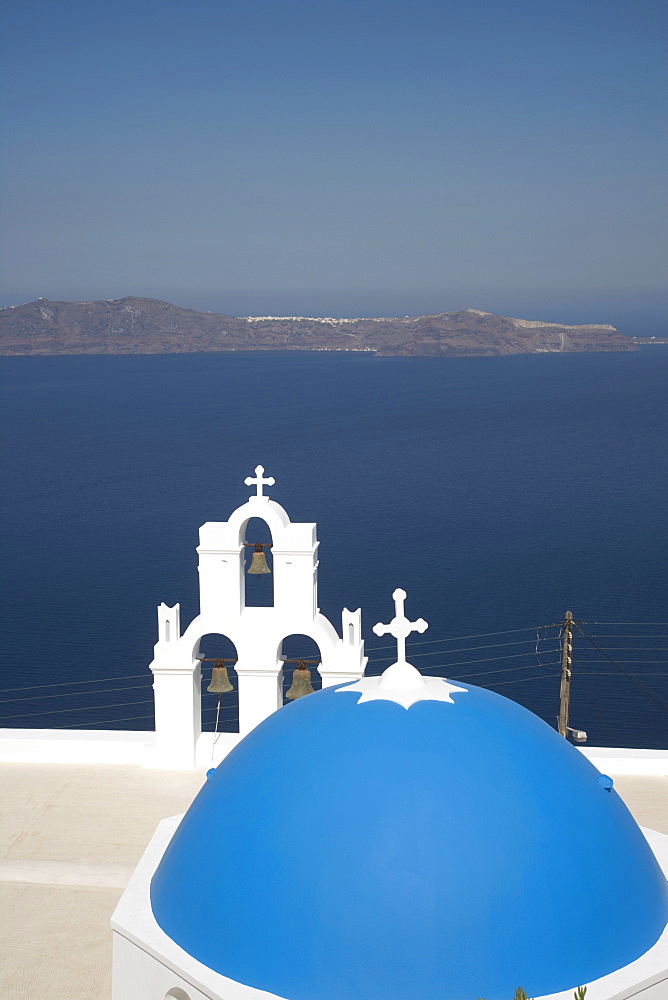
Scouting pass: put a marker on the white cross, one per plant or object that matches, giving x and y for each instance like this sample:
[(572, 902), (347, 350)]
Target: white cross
[(259, 482), (400, 627), (401, 682)]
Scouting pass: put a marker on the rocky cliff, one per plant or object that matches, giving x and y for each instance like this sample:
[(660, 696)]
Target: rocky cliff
[(148, 326)]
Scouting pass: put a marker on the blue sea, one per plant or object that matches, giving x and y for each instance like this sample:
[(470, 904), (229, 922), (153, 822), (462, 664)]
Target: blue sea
[(498, 492)]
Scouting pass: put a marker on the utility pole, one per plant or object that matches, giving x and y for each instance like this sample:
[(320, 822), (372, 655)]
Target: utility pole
[(566, 661)]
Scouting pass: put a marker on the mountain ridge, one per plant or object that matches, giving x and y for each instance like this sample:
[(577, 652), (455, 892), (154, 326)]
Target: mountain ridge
[(136, 325)]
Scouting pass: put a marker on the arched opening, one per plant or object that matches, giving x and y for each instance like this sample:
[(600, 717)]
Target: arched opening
[(258, 587), (176, 994), (293, 649), (213, 648)]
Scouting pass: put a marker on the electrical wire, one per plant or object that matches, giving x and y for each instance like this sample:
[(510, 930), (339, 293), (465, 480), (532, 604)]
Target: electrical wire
[(488, 659), (637, 663), (461, 649), (86, 708), (522, 680), (613, 673), (107, 722), (633, 661), (625, 635), (501, 670), (147, 680), (478, 635), (650, 624), (226, 715), (657, 699), (537, 649), (644, 649), (438, 666), (447, 652), (96, 680), (70, 694)]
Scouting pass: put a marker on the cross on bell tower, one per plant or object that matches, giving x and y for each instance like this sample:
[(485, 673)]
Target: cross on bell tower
[(400, 627), (259, 482)]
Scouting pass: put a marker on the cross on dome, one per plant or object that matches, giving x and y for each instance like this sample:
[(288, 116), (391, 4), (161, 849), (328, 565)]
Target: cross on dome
[(400, 627), (401, 682), (259, 481)]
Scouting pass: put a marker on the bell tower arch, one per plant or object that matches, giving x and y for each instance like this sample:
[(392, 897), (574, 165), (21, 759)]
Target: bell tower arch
[(257, 632)]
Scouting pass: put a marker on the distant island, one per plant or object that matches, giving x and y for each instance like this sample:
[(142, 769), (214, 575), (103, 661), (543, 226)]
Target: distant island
[(148, 326)]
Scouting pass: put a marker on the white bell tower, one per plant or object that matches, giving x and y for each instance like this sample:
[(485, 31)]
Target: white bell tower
[(257, 632)]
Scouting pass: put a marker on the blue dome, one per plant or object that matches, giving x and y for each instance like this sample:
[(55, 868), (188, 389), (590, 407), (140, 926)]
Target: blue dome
[(349, 851)]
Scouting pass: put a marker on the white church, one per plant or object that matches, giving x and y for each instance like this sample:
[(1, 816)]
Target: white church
[(391, 837)]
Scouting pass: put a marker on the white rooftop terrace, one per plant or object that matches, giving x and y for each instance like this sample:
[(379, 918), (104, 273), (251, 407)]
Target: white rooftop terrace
[(71, 835), (73, 830)]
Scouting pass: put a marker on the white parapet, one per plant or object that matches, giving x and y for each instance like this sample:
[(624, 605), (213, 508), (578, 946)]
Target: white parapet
[(90, 746), (616, 760), (71, 746)]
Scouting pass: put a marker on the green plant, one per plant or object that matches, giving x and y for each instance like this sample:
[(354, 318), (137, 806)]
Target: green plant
[(520, 994)]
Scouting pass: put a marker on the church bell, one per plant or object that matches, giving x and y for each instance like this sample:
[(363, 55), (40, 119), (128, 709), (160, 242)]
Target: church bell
[(220, 682), (301, 682), (259, 561)]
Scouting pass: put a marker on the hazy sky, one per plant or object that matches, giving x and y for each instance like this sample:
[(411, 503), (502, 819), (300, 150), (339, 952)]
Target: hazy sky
[(341, 158)]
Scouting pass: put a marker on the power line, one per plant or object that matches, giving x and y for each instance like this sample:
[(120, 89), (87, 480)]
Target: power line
[(447, 652), (649, 649), (147, 679), (463, 649), (631, 661), (649, 624), (657, 699), (97, 680), (625, 635), (522, 680), (457, 638), (516, 680), (73, 694), (64, 711), (612, 673), (107, 722), (537, 652), (137, 718), (229, 712), (637, 662), (133, 687), (488, 659), (501, 670), (438, 666)]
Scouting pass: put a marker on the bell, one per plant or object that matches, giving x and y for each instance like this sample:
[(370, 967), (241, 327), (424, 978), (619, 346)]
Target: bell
[(301, 682), (259, 561), (220, 682)]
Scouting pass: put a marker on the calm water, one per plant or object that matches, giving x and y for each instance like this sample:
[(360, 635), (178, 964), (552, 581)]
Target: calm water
[(499, 492)]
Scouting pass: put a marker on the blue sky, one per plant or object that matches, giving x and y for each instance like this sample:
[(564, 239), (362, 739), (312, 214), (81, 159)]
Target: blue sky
[(339, 158)]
